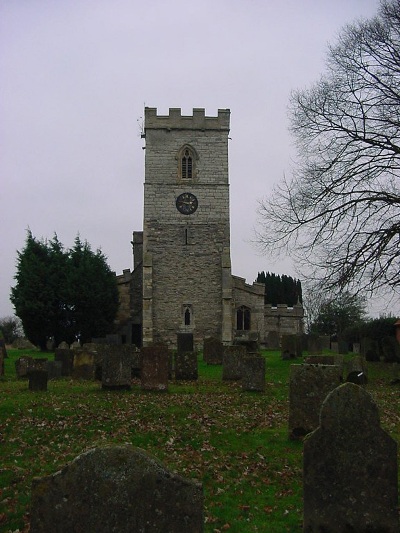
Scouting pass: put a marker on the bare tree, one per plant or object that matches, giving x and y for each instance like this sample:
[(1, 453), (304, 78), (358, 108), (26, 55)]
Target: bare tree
[(339, 214)]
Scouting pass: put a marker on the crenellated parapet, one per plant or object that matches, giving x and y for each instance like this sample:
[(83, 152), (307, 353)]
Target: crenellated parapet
[(197, 121)]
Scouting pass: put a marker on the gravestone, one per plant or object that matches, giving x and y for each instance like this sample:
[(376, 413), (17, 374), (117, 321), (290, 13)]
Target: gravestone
[(253, 373), (37, 379), (319, 359), (308, 388), (291, 347), (335, 347), (84, 366), (232, 362), (369, 349), (213, 351), (67, 360), (116, 368), (356, 371), (343, 347), (155, 367), (186, 366), (116, 488), (314, 345), (390, 349), (75, 345), (325, 342), (22, 365), (356, 347), (273, 341), (184, 342), (63, 345), (54, 369), (350, 468)]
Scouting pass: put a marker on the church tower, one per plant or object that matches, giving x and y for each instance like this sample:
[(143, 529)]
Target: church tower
[(187, 282)]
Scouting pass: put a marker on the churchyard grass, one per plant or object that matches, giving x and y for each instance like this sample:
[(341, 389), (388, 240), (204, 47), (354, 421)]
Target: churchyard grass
[(236, 443)]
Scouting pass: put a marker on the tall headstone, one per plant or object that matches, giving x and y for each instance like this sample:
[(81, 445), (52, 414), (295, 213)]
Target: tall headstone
[(253, 373), (350, 468), (66, 356), (155, 368), (213, 351), (118, 488), (37, 380), (116, 368), (232, 362), (291, 346), (369, 349), (185, 342), (308, 387)]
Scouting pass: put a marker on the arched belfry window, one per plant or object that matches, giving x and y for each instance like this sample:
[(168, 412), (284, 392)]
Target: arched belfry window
[(243, 318), (187, 158)]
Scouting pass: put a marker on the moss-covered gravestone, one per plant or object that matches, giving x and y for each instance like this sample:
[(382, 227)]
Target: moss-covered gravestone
[(350, 468), (308, 387), (213, 351), (118, 488), (186, 367), (253, 373), (155, 368), (232, 362)]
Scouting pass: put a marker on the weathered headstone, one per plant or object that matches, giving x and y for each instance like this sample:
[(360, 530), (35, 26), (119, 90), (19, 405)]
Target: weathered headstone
[(37, 380), (67, 360), (186, 366), (155, 367), (350, 468), (54, 369), (253, 373), (184, 342), (213, 351), (356, 347), (314, 345), (116, 368), (22, 365), (119, 489), (232, 362), (390, 349), (356, 371), (291, 346), (308, 388), (335, 347), (369, 349), (84, 366), (63, 345), (273, 340)]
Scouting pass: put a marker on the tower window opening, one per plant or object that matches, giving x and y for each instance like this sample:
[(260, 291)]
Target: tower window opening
[(187, 165), (187, 317)]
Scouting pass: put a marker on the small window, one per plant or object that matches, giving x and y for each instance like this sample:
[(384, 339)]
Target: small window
[(187, 317), (243, 318)]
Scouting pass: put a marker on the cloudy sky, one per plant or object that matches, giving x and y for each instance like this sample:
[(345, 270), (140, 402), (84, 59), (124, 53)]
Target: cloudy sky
[(75, 76)]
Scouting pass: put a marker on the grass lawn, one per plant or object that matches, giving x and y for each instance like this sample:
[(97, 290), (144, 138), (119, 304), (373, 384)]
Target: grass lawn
[(235, 443)]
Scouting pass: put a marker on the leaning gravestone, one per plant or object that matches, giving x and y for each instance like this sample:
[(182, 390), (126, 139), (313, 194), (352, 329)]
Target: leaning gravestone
[(186, 366), (356, 371), (120, 489), (308, 388), (213, 351), (155, 368), (116, 368), (253, 373), (350, 468), (232, 362)]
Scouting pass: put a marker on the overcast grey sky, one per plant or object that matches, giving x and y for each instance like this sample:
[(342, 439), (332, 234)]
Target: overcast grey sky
[(75, 76)]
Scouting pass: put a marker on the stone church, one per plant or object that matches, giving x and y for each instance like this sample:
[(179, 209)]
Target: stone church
[(181, 279)]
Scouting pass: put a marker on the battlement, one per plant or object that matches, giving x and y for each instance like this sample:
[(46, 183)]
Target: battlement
[(175, 120)]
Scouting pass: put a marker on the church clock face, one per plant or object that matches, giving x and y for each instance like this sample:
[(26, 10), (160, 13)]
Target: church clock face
[(186, 203)]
